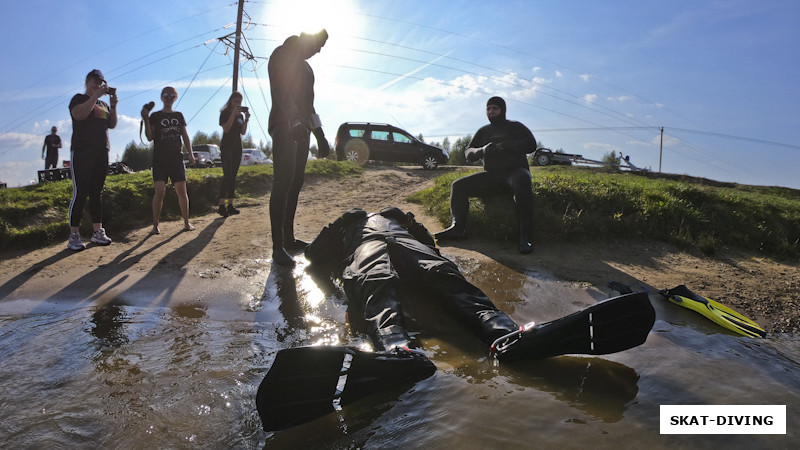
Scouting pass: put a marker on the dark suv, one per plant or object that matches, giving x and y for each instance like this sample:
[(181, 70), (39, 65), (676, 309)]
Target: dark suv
[(359, 141)]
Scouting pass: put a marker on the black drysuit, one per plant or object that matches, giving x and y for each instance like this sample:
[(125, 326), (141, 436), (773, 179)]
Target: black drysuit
[(377, 253)]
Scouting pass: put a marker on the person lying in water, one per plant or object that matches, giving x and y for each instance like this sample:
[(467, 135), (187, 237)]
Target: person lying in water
[(376, 254)]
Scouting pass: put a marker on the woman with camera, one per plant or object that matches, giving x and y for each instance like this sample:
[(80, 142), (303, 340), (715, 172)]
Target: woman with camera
[(91, 120), (233, 118), (166, 128)]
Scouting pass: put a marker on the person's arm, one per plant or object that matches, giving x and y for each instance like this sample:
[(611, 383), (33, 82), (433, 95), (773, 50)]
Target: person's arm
[(281, 76), (228, 124), (81, 111), (148, 127), (112, 112), (246, 121), (187, 143), (44, 147), (59, 143), (522, 140)]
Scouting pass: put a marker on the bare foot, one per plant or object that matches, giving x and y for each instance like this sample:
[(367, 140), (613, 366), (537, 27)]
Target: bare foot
[(155, 230), (188, 227)]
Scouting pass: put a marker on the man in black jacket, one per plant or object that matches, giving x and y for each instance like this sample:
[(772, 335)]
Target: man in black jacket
[(374, 254), (503, 145)]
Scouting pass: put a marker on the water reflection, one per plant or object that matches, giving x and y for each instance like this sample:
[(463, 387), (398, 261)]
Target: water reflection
[(109, 325), (598, 387)]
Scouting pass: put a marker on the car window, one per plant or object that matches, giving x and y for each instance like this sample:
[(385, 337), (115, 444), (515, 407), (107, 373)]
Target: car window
[(355, 132), (401, 138), (380, 135)]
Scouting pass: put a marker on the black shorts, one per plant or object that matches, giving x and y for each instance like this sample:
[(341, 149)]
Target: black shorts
[(165, 170)]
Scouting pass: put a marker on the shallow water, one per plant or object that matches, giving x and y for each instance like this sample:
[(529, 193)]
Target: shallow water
[(78, 374)]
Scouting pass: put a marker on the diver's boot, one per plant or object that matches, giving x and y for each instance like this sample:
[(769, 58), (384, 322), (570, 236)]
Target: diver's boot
[(291, 243), (525, 245), (457, 230), (388, 338)]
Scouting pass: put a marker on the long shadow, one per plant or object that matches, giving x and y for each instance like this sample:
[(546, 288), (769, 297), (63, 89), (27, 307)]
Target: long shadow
[(13, 284), (154, 283)]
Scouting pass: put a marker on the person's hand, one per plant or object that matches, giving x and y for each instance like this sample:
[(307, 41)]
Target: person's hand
[(145, 113), (324, 147), (474, 154)]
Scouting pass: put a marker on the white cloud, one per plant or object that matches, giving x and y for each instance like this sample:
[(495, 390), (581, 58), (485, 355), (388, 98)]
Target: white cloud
[(599, 146), (590, 98), (559, 74), (585, 77)]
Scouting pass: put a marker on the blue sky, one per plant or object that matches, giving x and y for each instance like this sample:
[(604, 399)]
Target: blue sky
[(588, 77)]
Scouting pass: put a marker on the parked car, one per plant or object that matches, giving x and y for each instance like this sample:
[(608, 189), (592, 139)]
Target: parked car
[(360, 141), (254, 157), (205, 155)]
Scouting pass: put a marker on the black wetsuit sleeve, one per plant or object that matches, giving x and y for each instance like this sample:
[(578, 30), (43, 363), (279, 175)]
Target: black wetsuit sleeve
[(520, 139)]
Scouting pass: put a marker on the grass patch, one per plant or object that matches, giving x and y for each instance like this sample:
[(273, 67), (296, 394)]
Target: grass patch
[(580, 203), (36, 216)]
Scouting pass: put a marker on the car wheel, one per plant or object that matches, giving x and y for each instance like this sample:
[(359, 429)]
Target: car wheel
[(542, 159), (430, 162), (356, 151)]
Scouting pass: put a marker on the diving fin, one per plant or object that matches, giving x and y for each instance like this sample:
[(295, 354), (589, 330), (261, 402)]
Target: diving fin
[(305, 383), (718, 313), (610, 326)]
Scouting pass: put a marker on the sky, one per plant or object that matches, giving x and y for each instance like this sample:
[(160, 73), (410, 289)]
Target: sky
[(587, 77)]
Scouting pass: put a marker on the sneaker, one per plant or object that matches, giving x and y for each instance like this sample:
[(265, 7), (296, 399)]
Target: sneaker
[(75, 242), (232, 210), (222, 211), (99, 237)]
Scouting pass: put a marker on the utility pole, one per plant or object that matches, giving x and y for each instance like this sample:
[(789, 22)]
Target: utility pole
[(237, 45), (660, 149)]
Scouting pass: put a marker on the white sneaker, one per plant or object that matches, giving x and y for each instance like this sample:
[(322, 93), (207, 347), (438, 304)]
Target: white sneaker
[(99, 237), (75, 242)]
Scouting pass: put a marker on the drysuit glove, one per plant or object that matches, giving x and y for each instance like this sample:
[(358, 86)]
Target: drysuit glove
[(323, 147), (474, 155)]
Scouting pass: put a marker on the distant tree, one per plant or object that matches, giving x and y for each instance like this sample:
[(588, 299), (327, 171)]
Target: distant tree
[(457, 157), (420, 138), (612, 158), (201, 138), (138, 157)]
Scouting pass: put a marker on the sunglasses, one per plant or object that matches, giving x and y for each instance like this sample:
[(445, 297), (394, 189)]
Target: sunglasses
[(169, 95)]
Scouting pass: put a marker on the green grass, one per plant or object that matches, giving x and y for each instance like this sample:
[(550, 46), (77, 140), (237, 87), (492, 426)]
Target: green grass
[(579, 203), (35, 216), (571, 204)]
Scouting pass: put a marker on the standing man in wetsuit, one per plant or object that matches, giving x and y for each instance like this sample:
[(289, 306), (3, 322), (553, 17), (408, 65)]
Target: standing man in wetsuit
[(291, 121), (52, 142), (503, 145)]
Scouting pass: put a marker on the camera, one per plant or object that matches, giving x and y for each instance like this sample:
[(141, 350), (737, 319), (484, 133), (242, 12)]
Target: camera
[(149, 106), (244, 109), (112, 90)]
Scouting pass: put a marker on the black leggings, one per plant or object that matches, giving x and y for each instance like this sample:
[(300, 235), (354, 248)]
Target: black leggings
[(231, 160), (517, 182), (289, 158), (88, 170)]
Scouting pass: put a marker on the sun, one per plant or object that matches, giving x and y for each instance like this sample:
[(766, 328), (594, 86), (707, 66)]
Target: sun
[(297, 16)]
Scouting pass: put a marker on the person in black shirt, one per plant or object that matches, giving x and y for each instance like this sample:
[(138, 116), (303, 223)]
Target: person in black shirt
[(52, 142), (166, 128), (291, 120), (233, 119), (503, 145), (91, 120)]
